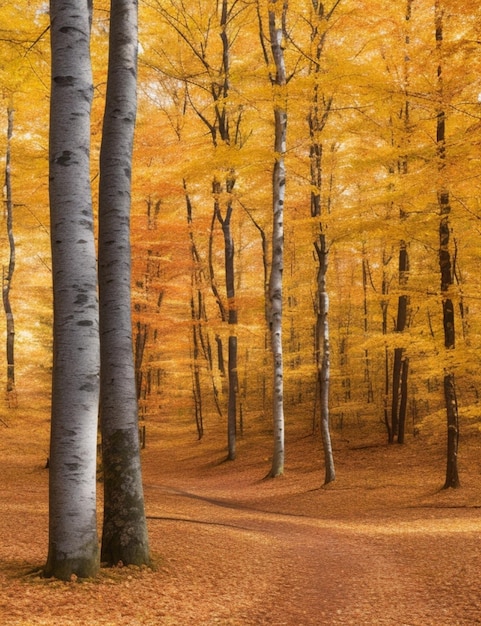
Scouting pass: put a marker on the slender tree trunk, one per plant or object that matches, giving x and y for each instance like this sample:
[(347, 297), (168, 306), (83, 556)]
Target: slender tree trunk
[(323, 357), (446, 266), (384, 326), (387, 415), (322, 338), (223, 121), (399, 352), (403, 401), (141, 335), (124, 536), (276, 33), (199, 318), (195, 316), (73, 541), (229, 256), (232, 400), (452, 477), (318, 115), (8, 275), (265, 282), (196, 386), (213, 282), (400, 366), (367, 356)]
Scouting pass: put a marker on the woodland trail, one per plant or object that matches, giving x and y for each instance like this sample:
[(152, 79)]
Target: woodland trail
[(320, 572), (381, 546)]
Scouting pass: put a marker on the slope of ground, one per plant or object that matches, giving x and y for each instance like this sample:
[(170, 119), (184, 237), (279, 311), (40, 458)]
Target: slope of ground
[(381, 545)]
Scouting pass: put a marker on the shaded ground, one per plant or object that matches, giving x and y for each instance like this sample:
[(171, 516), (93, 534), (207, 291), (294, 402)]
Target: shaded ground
[(381, 545)]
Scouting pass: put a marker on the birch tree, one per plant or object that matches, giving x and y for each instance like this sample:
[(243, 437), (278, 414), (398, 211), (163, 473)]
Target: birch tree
[(73, 542), (319, 110), (272, 46), (124, 535)]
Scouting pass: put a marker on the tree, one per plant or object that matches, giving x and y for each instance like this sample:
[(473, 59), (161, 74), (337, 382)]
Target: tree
[(400, 366), (8, 275), (212, 76), (446, 263), (319, 110), (223, 122), (276, 14), (124, 535), (200, 339), (73, 541)]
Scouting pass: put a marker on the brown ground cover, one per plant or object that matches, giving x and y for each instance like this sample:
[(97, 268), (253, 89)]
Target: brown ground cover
[(381, 545)]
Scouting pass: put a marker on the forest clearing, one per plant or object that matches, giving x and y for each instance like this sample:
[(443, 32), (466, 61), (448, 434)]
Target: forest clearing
[(381, 545)]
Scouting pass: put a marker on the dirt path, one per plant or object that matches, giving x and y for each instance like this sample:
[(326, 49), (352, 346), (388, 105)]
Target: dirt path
[(319, 572), (382, 545)]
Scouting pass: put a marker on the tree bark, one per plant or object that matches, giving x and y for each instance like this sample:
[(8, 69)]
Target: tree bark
[(124, 537), (229, 256), (318, 115), (323, 358), (276, 34), (73, 541), (199, 319), (446, 266), (403, 401), (452, 477), (399, 358), (400, 366), (8, 275), (223, 121)]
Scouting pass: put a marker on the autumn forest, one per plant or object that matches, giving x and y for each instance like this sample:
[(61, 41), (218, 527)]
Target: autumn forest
[(305, 218)]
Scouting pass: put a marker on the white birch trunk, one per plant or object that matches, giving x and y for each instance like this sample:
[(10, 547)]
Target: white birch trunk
[(323, 357), (73, 543), (278, 191), (124, 527)]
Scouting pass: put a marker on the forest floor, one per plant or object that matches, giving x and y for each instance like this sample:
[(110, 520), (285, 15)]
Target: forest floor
[(383, 544)]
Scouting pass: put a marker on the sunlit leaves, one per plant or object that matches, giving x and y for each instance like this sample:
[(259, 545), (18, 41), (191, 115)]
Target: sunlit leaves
[(373, 61)]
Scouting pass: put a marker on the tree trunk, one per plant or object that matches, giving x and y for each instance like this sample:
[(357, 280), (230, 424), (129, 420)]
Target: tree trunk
[(223, 120), (141, 335), (199, 318), (124, 526), (8, 275), (73, 542), (196, 386), (318, 115), (367, 356), (232, 401), (265, 276), (276, 33), (323, 357), (229, 256), (446, 267), (399, 382), (452, 477), (399, 352), (403, 401)]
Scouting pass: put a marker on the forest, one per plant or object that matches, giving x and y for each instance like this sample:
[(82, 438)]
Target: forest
[(304, 232)]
